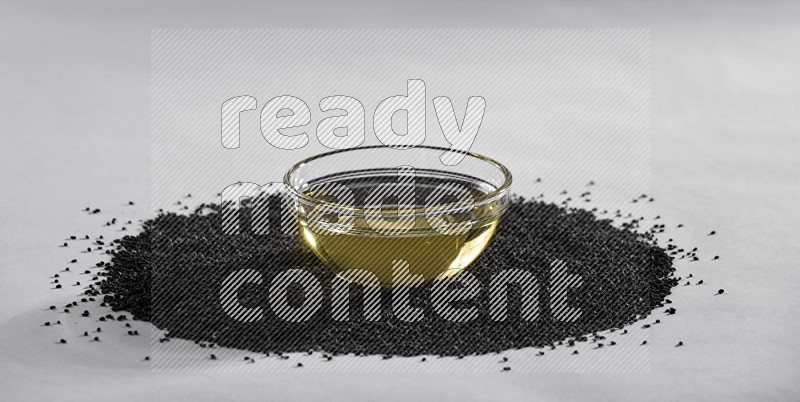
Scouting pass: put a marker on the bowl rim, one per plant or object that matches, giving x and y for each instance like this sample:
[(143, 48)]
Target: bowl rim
[(488, 197)]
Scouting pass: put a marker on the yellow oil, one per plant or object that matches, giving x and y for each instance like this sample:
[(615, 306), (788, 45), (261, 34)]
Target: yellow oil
[(427, 251)]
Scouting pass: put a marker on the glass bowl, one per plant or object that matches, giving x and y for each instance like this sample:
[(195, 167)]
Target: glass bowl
[(397, 216)]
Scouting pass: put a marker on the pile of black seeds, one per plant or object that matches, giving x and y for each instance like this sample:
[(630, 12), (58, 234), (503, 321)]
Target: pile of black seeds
[(172, 271)]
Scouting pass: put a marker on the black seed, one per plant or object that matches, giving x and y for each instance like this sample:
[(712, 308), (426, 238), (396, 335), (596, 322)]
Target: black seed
[(644, 342), (128, 281), (213, 357), (721, 291), (506, 368), (63, 341), (299, 364), (574, 352), (680, 343)]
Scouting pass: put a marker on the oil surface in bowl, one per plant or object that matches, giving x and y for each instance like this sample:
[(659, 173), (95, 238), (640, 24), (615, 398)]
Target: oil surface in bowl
[(427, 251)]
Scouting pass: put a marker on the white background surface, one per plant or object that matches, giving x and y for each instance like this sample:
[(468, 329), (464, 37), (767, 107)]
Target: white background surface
[(725, 135)]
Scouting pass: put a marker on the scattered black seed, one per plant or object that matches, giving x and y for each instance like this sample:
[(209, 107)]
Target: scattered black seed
[(97, 338), (574, 352), (612, 343), (85, 313), (99, 329), (196, 240), (644, 342), (716, 257), (66, 310), (58, 286), (65, 244), (213, 357), (299, 364), (679, 343), (713, 232), (721, 291), (700, 282), (506, 368), (47, 324), (146, 358), (63, 341)]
